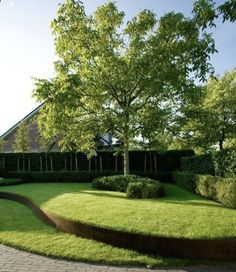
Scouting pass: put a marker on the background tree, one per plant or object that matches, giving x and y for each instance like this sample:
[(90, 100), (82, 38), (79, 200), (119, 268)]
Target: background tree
[(213, 120), (116, 78), (22, 140)]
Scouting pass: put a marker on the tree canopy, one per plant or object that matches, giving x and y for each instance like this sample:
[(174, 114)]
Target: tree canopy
[(212, 121), (121, 78), (206, 12)]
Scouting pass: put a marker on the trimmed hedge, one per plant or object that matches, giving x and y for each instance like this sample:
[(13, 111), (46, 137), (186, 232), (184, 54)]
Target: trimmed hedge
[(134, 186), (185, 180), (221, 163), (72, 177), (201, 164), (225, 189), (7, 182), (82, 176), (117, 183), (140, 161), (216, 188), (205, 186)]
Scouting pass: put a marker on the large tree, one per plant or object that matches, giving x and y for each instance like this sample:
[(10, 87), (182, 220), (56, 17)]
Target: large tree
[(124, 79)]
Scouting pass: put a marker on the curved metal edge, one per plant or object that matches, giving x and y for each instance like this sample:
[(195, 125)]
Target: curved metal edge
[(218, 250)]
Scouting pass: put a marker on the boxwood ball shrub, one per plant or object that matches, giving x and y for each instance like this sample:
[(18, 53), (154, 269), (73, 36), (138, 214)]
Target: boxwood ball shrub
[(134, 186), (134, 190), (114, 183)]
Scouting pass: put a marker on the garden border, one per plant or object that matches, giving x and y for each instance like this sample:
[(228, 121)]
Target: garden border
[(216, 249)]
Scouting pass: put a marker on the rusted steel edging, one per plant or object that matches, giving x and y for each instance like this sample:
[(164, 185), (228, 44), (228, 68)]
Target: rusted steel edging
[(216, 249)]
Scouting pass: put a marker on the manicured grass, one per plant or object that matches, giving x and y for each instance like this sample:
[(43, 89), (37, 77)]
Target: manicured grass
[(179, 214)]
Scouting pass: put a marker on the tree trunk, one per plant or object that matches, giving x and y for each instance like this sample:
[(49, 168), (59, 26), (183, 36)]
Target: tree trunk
[(116, 164), (76, 163), (126, 160), (221, 144), (41, 164), (51, 163), (221, 140), (126, 144), (29, 166), (100, 161)]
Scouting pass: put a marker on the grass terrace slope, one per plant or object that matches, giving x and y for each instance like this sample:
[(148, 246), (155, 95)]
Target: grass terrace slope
[(179, 214)]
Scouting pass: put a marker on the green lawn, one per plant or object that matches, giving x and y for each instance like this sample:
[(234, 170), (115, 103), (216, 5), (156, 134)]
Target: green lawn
[(179, 214)]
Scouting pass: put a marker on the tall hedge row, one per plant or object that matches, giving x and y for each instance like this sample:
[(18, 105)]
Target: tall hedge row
[(222, 163), (142, 161)]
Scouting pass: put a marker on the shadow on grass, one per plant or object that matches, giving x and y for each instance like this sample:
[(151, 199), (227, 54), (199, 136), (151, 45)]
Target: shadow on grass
[(166, 200), (103, 194), (194, 203)]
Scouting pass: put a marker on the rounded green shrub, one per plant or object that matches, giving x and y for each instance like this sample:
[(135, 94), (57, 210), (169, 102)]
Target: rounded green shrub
[(135, 190), (134, 186), (114, 183), (152, 190)]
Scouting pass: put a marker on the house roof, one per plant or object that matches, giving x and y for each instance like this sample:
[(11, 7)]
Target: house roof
[(26, 118)]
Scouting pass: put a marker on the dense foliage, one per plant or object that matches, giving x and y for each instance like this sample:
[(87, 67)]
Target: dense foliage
[(208, 120), (222, 163), (207, 11), (124, 79), (135, 186)]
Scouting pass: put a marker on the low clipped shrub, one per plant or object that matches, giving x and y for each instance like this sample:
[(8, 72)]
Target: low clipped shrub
[(205, 186), (216, 188), (134, 186), (114, 183), (134, 190), (153, 190), (185, 180), (145, 188), (11, 181), (58, 176), (225, 189)]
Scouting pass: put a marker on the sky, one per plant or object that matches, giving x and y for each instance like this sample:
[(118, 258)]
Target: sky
[(27, 49)]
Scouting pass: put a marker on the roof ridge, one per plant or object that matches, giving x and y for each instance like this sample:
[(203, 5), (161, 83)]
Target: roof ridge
[(27, 117)]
